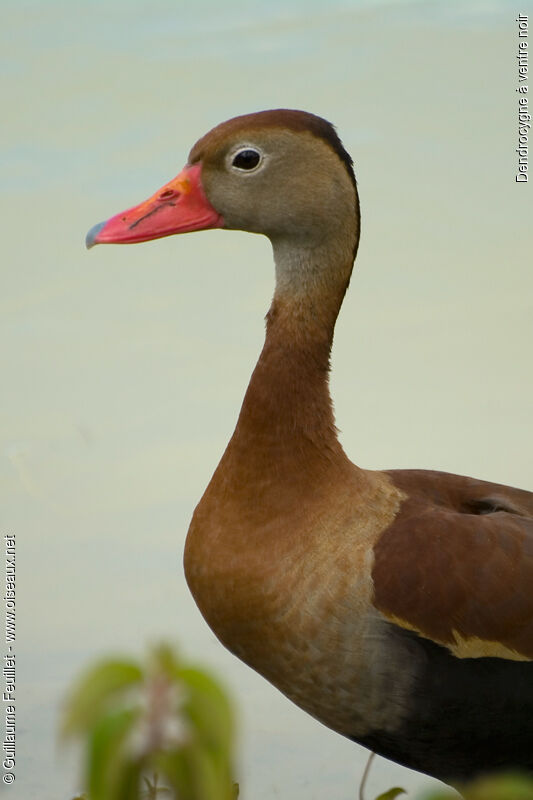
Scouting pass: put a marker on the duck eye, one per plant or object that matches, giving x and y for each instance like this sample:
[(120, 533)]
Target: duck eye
[(246, 159)]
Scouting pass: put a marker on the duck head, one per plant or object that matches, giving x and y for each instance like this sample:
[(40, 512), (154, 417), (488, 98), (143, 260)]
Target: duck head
[(282, 173)]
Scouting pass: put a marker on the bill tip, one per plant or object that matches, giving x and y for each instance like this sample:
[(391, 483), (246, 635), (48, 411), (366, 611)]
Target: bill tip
[(91, 238)]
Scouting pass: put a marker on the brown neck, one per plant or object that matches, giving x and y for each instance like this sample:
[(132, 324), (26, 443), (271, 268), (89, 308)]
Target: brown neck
[(286, 428), (288, 397), (284, 454)]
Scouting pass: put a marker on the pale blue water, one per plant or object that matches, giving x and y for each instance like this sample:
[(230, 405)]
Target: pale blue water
[(123, 369)]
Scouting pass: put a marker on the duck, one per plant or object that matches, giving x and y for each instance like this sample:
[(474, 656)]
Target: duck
[(394, 606)]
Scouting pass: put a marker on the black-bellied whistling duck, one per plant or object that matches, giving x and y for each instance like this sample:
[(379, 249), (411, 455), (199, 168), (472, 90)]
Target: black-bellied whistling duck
[(396, 607)]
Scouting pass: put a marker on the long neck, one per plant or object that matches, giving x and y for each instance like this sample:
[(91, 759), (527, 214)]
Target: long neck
[(288, 396), (284, 457), (286, 424)]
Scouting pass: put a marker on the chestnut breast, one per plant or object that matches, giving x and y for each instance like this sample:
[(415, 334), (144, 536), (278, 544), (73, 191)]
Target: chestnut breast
[(292, 596)]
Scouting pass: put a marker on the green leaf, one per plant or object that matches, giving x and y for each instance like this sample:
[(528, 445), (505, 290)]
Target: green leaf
[(500, 787), (194, 774), (105, 706), (209, 710), (126, 786), (205, 775), (496, 787), (95, 691), (391, 794), (211, 774), (177, 771), (112, 774)]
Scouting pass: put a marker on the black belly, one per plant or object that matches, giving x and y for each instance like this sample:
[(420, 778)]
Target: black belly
[(468, 716)]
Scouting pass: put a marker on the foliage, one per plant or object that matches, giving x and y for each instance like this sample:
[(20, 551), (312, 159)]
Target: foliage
[(166, 719), (510, 786), (152, 789), (391, 794), (164, 731), (497, 787)]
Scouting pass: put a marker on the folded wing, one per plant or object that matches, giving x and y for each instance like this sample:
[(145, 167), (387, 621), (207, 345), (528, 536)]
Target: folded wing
[(456, 565)]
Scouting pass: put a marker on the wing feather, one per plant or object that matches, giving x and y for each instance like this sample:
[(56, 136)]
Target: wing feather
[(456, 565)]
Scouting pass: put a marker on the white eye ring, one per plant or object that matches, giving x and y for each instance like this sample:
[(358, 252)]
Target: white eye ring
[(246, 159)]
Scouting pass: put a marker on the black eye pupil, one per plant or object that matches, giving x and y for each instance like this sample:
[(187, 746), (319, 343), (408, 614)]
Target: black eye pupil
[(246, 159)]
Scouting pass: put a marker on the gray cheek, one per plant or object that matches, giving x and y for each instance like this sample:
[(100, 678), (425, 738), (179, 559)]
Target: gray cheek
[(236, 203)]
